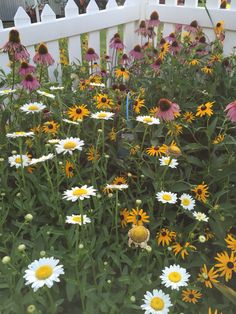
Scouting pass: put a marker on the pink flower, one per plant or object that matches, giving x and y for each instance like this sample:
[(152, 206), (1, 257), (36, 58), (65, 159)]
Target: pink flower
[(167, 110), (142, 29), (42, 56), (116, 42), (125, 60), (231, 114), (91, 55), (156, 65), (136, 53), (192, 28), (30, 82), (175, 47), (26, 68), (154, 19)]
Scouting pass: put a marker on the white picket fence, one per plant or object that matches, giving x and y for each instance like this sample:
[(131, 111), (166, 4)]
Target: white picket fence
[(73, 25)]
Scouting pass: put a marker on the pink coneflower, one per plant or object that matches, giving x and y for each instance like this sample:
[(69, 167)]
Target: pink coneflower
[(91, 55), (116, 44), (154, 19), (156, 65), (178, 28), (30, 82), (42, 56), (136, 53), (26, 68), (231, 114), (142, 30), (125, 60), (14, 47), (192, 28), (171, 37), (175, 47), (167, 110), (150, 32)]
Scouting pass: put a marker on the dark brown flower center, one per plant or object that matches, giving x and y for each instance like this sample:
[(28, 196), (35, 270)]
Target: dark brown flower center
[(78, 110), (202, 39), (230, 265), (14, 36), (103, 99), (122, 217), (90, 51), (124, 57), (138, 217), (162, 41), (194, 24), (24, 65), (70, 169), (50, 126), (172, 35), (218, 24), (117, 35), (164, 104), (122, 69), (29, 78), (154, 16), (191, 296), (142, 24), (137, 48), (203, 107), (174, 44), (42, 50), (163, 233), (117, 41), (199, 191)]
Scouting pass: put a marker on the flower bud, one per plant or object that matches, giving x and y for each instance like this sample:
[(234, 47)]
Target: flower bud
[(110, 195), (81, 246), (42, 253), (6, 259), (31, 308), (21, 247), (132, 298), (138, 202), (202, 238), (148, 248), (28, 217)]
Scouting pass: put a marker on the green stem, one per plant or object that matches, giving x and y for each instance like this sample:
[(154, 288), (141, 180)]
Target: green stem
[(53, 308), (116, 218)]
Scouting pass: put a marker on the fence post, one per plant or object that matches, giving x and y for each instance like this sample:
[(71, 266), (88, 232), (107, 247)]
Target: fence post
[(93, 37)]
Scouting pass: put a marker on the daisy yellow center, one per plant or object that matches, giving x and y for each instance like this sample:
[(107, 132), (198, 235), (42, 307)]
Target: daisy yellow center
[(43, 272), (79, 192), (157, 304), (18, 160), (77, 219), (33, 107), (167, 161), (167, 197), (185, 202), (102, 115), (20, 133), (69, 145), (174, 276), (147, 120)]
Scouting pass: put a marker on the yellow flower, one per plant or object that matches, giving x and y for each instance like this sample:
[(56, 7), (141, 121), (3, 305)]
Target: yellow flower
[(211, 311), (138, 217), (183, 249), (226, 265), (164, 49), (78, 112), (138, 104), (157, 150), (124, 213), (83, 84), (205, 109), (134, 150), (218, 139), (165, 236), (69, 169), (231, 242), (50, 127), (92, 154), (122, 72), (112, 135), (103, 101), (208, 277), (188, 117), (219, 27), (194, 62), (119, 180), (207, 69), (201, 192), (175, 129), (191, 296)]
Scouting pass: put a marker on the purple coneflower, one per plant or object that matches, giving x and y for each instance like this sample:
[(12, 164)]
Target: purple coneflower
[(150, 32), (156, 65), (167, 110), (171, 37), (136, 53), (154, 19), (30, 82), (142, 29), (14, 47), (192, 28), (231, 114), (116, 43), (26, 68), (125, 60), (42, 56), (175, 47), (91, 55)]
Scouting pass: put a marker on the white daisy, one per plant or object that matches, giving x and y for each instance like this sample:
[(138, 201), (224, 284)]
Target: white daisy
[(54, 141), (41, 159), (72, 122), (200, 216), (43, 272), (78, 219), (79, 193), (156, 302), (20, 134), (69, 145), (102, 115), (57, 87), (166, 197), (18, 161), (187, 202), (148, 120), (32, 107), (97, 84), (46, 94), (7, 91), (174, 277), (168, 161), (117, 186)]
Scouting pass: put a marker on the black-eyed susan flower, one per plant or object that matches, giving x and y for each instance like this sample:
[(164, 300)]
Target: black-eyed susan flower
[(112, 135), (218, 139), (174, 129), (119, 180), (191, 296), (219, 27), (50, 127), (226, 265), (208, 276), (122, 72), (165, 237), (124, 213), (208, 234), (134, 150), (157, 150), (69, 169), (103, 101), (183, 250), (194, 62), (93, 154), (231, 242), (43, 272), (138, 104), (189, 116), (201, 192), (78, 112), (210, 311), (173, 150), (164, 50), (205, 109), (156, 302), (139, 236), (174, 277), (207, 69), (137, 217)]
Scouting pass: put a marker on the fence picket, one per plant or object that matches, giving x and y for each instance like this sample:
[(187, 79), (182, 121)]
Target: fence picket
[(191, 3), (4, 61), (130, 28), (93, 37), (74, 43), (169, 27), (213, 4), (112, 4), (21, 18), (48, 16)]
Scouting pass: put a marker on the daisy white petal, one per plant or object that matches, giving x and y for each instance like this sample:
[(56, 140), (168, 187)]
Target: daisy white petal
[(7, 91), (200, 216), (117, 186), (79, 193), (32, 107), (42, 93), (187, 202), (78, 219), (166, 197), (156, 302), (68, 145), (102, 115), (174, 277), (41, 159), (19, 161), (148, 120), (20, 134), (168, 161)]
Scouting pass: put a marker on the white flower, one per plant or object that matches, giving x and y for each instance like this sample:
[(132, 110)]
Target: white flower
[(97, 84), (79, 193), (43, 272), (7, 91), (56, 87), (78, 219), (102, 115), (117, 186), (166, 197), (168, 161), (187, 202), (148, 120), (33, 107), (72, 122), (18, 161), (174, 277), (156, 302), (69, 145), (200, 216), (54, 141), (41, 159), (46, 94), (20, 134)]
